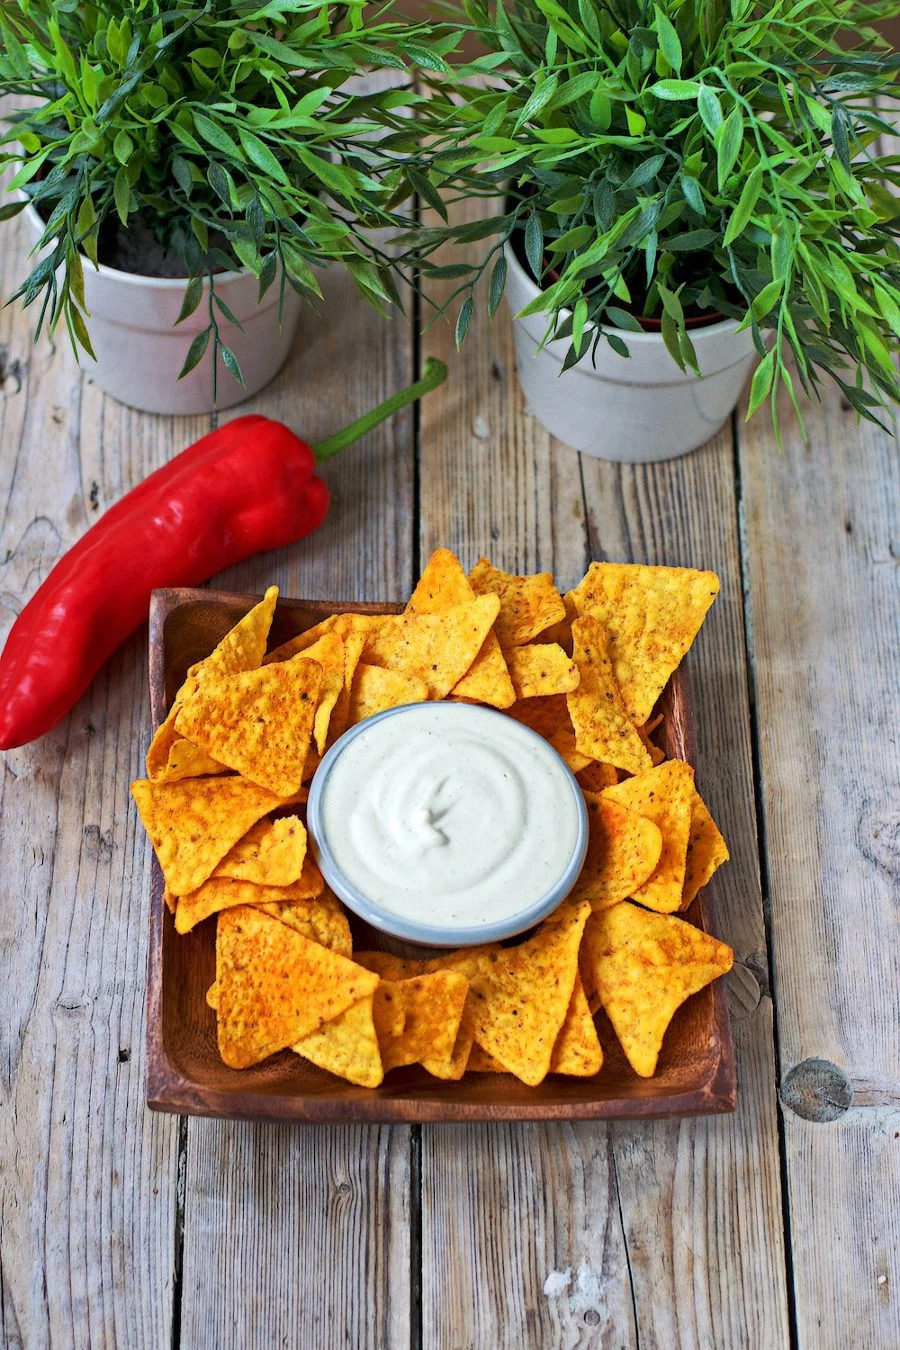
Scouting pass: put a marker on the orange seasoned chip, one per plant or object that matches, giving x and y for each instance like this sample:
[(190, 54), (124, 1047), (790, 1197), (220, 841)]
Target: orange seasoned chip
[(602, 728), (218, 893), (549, 717), (528, 605), (271, 853), (418, 1019), (596, 776), (642, 967), (623, 852), (706, 850), (341, 624), (436, 648), (347, 1046), (562, 632), (185, 760), (664, 796), (320, 918), (577, 1050), (487, 680), (193, 824), (375, 689), (259, 722), (650, 615), (240, 649), (340, 717), (391, 967), (656, 754), (327, 652), (275, 986), (540, 670), (481, 1062)]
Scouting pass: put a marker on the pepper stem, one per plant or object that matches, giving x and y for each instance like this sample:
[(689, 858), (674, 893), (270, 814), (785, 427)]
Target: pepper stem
[(435, 374)]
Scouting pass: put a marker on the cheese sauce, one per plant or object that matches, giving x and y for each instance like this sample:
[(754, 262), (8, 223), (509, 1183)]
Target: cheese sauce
[(449, 815)]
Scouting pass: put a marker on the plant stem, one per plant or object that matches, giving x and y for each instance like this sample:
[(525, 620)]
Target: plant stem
[(435, 374)]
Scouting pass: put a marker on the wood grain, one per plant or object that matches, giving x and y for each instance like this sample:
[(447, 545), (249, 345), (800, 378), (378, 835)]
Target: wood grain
[(87, 1177), (680, 1230), (822, 526)]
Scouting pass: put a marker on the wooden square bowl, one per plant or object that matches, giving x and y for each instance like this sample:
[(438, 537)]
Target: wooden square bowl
[(184, 1071)]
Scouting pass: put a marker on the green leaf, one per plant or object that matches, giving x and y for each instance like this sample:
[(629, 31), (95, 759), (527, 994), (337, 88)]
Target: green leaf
[(230, 362), (710, 109), (765, 301), (122, 195), (645, 172), (840, 123), (761, 384), (80, 329), (261, 156), (692, 194), (123, 147), (534, 245), (669, 41), (182, 172), (538, 99), (196, 352), (676, 89), (617, 344), (498, 282), (215, 136), (192, 296), (10, 209), (579, 319), (622, 319), (741, 214), (728, 145), (890, 310), (464, 320)]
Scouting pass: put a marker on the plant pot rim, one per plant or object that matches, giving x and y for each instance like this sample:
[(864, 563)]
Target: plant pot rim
[(137, 279), (643, 338)]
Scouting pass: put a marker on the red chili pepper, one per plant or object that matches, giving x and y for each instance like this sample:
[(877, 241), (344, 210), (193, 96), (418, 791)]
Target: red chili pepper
[(243, 489)]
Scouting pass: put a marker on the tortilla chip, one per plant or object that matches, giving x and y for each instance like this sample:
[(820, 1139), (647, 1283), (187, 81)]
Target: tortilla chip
[(597, 776), (241, 648), (375, 689), (185, 760), (259, 722), (487, 680), (562, 632), (192, 825), (656, 755), (341, 624), (219, 893), (321, 919), (271, 853), (520, 995), (275, 986), (212, 995), (577, 1050), (706, 850), (602, 728), (327, 652), (663, 795), (549, 717), (541, 669), (651, 615), (418, 1019), (481, 1062), (528, 605), (642, 967), (436, 648), (347, 1046), (442, 585), (623, 852), (340, 717), (390, 967)]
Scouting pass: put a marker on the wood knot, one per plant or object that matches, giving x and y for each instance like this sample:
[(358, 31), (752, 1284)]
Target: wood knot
[(816, 1090), (744, 992)]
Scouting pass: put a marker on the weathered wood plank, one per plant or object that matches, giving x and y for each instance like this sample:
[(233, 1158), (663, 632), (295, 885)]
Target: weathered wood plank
[(821, 526), (87, 1177), (299, 1236), (675, 1228)]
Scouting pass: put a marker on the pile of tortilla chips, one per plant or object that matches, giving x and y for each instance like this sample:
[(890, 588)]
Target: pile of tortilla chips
[(223, 804)]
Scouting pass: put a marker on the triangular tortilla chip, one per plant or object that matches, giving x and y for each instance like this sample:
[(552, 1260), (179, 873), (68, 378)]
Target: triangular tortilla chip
[(549, 717), (487, 679), (597, 776), (651, 615), (241, 648), (271, 853), (706, 850), (219, 893), (664, 796), (562, 632), (192, 825), (275, 986), (577, 1050), (259, 722), (347, 1046), (624, 850), (375, 689), (185, 760), (327, 652), (342, 624), (541, 669), (340, 717), (436, 648), (418, 1019), (528, 605), (320, 918), (602, 727), (390, 967), (642, 967)]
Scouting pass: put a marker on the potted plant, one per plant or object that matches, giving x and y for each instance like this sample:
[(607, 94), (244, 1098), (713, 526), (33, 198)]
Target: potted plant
[(690, 189), (187, 166)]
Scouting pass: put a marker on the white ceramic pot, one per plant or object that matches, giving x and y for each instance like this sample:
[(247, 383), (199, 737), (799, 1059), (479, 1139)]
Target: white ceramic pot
[(140, 352), (636, 409)]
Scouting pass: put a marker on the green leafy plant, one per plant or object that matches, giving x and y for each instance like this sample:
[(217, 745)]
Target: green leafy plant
[(664, 159), (226, 129)]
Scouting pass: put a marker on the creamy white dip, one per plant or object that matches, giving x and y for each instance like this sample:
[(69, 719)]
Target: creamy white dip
[(449, 815)]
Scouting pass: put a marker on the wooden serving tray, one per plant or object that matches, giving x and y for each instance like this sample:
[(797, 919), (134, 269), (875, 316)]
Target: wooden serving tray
[(184, 1072)]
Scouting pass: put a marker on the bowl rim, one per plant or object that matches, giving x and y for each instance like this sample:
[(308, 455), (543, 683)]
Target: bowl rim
[(411, 930)]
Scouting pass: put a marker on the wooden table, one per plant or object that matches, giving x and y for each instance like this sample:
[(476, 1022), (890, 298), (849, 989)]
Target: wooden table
[(777, 1226)]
